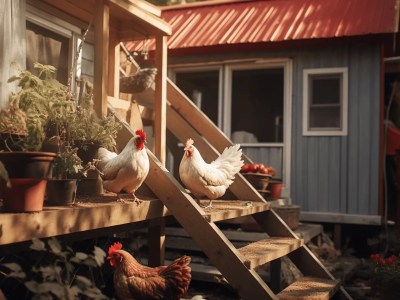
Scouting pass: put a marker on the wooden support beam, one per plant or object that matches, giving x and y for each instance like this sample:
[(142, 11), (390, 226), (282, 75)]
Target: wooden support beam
[(101, 52), (156, 242), (160, 99), (113, 64)]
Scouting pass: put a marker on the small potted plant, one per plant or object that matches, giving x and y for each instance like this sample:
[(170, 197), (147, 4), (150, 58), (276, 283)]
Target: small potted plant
[(28, 114), (68, 170)]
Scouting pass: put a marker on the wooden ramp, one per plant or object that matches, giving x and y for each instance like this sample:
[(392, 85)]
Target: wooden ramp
[(185, 120)]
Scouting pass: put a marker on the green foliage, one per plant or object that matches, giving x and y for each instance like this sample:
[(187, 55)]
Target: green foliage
[(68, 164), (85, 126), (58, 278), (43, 105), (41, 99)]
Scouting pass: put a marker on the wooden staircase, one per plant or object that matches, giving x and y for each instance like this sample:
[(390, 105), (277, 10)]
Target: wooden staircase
[(185, 120)]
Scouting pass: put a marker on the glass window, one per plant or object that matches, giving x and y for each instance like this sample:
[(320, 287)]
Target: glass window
[(202, 87), (325, 102), (49, 48), (257, 105)]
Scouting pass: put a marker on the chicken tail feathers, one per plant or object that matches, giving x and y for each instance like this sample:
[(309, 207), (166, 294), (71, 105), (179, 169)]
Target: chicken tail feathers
[(230, 161), (104, 156), (178, 274)]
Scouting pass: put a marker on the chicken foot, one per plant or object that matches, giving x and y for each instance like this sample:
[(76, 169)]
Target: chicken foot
[(135, 200)]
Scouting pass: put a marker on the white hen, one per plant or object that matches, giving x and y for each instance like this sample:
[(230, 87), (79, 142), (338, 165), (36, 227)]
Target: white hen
[(209, 179), (126, 171)]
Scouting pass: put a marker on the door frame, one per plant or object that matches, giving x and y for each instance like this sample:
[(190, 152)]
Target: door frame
[(225, 69), (286, 64)]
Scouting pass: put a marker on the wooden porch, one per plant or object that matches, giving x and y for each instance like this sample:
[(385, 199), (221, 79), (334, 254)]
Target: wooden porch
[(115, 21)]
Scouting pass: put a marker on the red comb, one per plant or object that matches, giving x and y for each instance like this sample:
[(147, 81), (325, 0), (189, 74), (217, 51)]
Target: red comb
[(116, 246), (141, 133), (189, 143)]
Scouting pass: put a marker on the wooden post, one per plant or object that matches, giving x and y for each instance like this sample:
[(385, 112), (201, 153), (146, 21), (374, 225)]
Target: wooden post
[(156, 242), (101, 48), (275, 275), (160, 99), (157, 233), (113, 65)]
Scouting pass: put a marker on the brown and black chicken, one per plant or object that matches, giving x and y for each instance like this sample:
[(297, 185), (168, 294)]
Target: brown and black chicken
[(135, 281)]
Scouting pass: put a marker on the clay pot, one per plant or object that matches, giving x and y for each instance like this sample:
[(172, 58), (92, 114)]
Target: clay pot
[(22, 164), (257, 180), (25, 195), (61, 191), (28, 172), (275, 188)]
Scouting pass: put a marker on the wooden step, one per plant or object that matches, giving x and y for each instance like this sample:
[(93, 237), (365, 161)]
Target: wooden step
[(261, 252), (230, 209), (310, 288)]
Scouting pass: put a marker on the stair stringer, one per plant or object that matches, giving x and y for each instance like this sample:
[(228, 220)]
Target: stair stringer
[(206, 234), (183, 118)]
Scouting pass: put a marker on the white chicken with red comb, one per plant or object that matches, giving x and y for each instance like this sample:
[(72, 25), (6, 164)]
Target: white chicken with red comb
[(209, 179), (126, 171)]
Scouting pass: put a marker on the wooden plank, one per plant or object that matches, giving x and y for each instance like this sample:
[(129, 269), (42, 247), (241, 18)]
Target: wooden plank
[(201, 123), (310, 288), (261, 252), (160, 123), (149, 22), (101, 212), (230, 209), (304, 231), (207, 235), (113, 65), (340, 218), (101, 49), (183, 130)]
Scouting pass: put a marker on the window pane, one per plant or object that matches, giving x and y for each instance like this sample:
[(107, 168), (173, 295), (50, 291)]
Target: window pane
[(202, 88), (47, 47), (325, 117), (325, 89), (257, 105)]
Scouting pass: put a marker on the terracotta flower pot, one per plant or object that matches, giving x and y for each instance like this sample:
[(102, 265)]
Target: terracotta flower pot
[(28, 172), (275, 188), (61, 191), (25, 195), (22, 164)]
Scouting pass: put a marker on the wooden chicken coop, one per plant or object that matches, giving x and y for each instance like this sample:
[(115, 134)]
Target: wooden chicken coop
[(115, 21)]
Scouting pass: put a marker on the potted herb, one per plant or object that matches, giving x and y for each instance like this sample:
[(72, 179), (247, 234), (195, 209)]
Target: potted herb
[(68, 169), (87, 131), (27, 115)]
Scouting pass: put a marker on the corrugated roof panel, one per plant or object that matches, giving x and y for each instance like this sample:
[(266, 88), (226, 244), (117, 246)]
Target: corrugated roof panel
[(212, 23)]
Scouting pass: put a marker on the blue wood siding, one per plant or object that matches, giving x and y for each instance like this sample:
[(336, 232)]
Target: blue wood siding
[(271, 156), (339, 173)]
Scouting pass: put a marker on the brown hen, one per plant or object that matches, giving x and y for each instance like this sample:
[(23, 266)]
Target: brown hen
[(133, 281)]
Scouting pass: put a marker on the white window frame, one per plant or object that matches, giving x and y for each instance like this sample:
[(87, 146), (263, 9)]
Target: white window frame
[(189, 69), (342, 131)]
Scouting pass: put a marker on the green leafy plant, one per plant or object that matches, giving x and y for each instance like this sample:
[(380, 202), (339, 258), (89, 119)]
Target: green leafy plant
[(87, 128), (68, 164), (58, 275), (40, 101)]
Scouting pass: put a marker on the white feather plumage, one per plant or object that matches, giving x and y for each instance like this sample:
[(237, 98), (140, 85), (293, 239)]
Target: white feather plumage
[(210, 179)]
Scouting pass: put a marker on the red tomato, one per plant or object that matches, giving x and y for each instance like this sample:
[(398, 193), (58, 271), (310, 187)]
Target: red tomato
[(264, 170), (254, 168), (245, 168), (260, 166)]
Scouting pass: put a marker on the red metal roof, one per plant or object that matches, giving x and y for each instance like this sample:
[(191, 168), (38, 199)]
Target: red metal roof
[(215, 23)]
